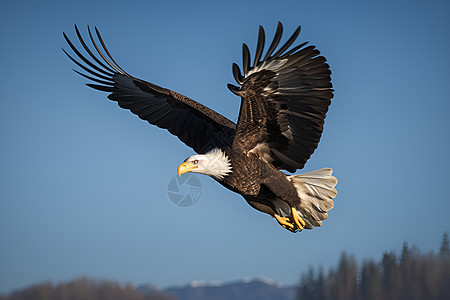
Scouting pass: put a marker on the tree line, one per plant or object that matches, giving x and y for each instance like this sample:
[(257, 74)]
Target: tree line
[(409, 276), (83, 289)]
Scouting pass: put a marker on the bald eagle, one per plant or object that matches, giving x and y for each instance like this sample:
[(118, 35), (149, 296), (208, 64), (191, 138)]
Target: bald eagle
[(285, 96)]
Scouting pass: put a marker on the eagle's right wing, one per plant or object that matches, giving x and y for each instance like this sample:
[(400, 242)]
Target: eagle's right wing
[(194, 124)]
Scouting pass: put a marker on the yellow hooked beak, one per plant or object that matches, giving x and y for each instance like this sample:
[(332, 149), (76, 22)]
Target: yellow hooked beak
[(185, 167)]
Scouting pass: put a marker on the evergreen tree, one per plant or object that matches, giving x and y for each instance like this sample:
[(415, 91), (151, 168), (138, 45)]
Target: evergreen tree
[(406, 273), (390, 276), (444, 251), (371, 285), (307, 288), (444, 269), (346, 277), (321, 286)]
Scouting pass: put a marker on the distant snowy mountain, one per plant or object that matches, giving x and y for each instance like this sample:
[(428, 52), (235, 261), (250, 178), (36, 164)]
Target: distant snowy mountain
[(246, 289)]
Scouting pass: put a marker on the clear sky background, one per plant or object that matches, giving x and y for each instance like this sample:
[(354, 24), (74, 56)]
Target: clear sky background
[(83, 183)]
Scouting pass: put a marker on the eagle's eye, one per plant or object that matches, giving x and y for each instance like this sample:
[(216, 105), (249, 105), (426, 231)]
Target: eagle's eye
[(195, 162)]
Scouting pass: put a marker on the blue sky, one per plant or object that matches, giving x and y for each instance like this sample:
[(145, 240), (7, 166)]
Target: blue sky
[(83, 184)]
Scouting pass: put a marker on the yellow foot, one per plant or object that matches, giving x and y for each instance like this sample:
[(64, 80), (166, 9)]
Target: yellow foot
[(299, 223), (286, 223)]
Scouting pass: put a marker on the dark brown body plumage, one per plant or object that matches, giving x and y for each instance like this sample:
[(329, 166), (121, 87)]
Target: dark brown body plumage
[(258, 182)]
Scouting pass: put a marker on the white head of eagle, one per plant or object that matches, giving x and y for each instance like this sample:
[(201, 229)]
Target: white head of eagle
[(215, 163)]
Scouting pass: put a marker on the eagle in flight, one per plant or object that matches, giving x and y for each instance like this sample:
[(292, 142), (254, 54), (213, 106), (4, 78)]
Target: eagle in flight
[(285, 94)]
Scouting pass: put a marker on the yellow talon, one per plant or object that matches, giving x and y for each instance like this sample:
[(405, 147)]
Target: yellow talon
[(289, 228), (285, 222), (299, 222)]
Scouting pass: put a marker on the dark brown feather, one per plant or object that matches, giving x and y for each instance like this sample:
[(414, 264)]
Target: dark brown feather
[(260, 45), (275, 41)]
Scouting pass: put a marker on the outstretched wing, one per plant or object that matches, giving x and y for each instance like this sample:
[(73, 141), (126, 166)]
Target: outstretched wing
[(193, 123), (284, 101)]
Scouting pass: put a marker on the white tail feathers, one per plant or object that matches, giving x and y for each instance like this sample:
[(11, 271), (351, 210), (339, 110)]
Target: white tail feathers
[(316, 192)]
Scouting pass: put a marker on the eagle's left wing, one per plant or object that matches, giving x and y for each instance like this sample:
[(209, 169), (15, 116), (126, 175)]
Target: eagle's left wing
[(284, 101)]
